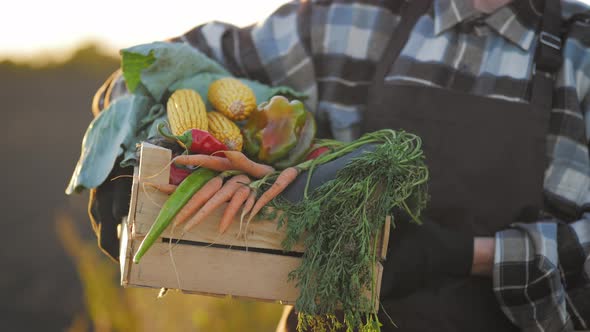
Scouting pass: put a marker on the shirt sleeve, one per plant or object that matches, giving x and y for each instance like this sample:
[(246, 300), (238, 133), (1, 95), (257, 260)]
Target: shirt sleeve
[(542, 270)]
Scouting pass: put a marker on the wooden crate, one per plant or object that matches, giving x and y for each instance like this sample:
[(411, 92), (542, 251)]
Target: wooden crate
[(253, 266)]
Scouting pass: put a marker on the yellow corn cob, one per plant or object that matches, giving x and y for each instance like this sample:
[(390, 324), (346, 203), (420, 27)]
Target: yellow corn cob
[(232, 98), (225, 130), (186, 110)]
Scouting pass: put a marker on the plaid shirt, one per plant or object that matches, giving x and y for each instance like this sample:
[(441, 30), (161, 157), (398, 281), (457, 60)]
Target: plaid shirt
[(329, 50)]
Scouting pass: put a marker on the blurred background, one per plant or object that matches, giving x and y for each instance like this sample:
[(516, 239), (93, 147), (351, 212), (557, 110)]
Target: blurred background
[(53, 57)]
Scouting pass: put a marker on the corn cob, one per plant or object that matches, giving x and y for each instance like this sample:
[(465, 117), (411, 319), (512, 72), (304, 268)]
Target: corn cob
[(232, 98), (225, 130), (186, 110)]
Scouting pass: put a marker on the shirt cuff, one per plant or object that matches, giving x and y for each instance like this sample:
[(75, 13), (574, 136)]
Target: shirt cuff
[(527, 279), (581, 229), (573, 248)]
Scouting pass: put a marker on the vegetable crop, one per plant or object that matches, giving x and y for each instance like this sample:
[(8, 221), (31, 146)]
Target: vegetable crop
[(219, 164), (198, 199), (284, 178), (225, 130), (186, 110), (341, 220), (194, 140), (173, 204), (232, 98), (279, 129), (224, 194), (240, 196), (240, 162)]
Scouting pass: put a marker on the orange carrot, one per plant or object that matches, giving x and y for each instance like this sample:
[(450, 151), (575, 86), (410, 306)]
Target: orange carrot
[(249, 204), (285, 178), (223, 195), (211, 162), (240, 162), (232, 208), (166, 188), (247, 207), (198, 199)]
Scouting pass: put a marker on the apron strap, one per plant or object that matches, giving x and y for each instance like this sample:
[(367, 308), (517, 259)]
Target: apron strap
[(410, 15), (411, 12), (548, 57)]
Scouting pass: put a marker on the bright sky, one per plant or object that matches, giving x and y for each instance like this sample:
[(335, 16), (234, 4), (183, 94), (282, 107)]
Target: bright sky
[(32, 27), (52, 27)]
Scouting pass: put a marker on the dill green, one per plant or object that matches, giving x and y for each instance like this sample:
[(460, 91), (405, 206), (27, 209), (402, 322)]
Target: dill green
[(340, 221)]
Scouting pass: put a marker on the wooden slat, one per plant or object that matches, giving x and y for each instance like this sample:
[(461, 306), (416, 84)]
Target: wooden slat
[(385, 238), (379, 275), (260, 234), (217, 271), (124, 252), (221, 272), (153, 168), (125, 230)]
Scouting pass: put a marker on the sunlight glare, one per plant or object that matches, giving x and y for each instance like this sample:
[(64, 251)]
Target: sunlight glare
[(33, 27)]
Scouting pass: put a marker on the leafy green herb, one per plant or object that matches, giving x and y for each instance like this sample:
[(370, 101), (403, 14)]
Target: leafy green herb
[(341, 220)]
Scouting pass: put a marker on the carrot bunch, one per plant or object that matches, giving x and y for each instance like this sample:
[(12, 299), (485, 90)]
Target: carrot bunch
[(231, 185)]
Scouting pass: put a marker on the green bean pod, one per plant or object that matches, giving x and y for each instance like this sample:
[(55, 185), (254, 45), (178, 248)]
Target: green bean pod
[(186, 189)]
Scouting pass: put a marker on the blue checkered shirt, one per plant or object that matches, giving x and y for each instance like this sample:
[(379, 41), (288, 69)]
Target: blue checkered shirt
[(329, 50)]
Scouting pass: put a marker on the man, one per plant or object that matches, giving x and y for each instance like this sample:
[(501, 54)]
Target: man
[(500, 93)]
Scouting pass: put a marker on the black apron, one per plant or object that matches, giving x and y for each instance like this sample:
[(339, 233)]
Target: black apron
[(487, 160)]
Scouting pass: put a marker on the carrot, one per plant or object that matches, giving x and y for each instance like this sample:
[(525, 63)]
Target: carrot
[(211, 162), (247, 207), (285, 178), (198, 199), (232, 208), (240, 162), (223, 195), (249, 204), (166, 188)]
